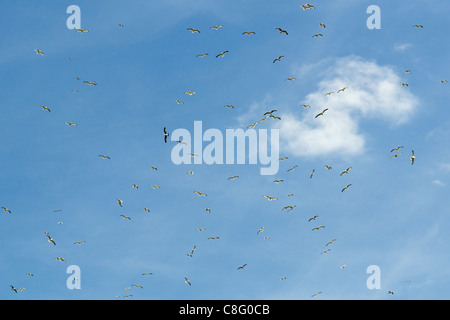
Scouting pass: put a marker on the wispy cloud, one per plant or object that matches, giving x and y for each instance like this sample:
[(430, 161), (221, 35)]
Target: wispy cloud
[(373, 92)]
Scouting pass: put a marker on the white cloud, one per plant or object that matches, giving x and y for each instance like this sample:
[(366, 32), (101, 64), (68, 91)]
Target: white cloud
[(438, 183), (373, 92), (400, 47)]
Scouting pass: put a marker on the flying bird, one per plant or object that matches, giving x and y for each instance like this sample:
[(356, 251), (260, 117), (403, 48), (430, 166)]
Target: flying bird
[(213, 238), (330, 242), (278, 180), (51, 240), (216, 27), (313, 218), (187, 281), (289, 208), (201, 55), (135, 186), (120, 202), (322, 25), (200, 193), (278, 59), (270, 198), (233, 178), (317, 35), (345, 171), (396, 155), (222, 54), (292, 169), (166, 135), (146, 210), (103, 156), (443, 81), (61, 259), (82, 30), (396, 149), (346, 188), (260, 230), (39, 52), (248, 33), (6, 210), (190, 92), (282, 31), (45, 108), (318, 228), (413, 157), (418, 26), (70, 124), (342, 90), (321, 113), (305, 106), (312, 173), (193, 30), (328, 167), (291, 79), (79, 242), (242, 267), (125, 217)]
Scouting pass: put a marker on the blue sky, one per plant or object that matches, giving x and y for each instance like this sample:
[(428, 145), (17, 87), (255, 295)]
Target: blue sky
[(394, 215)]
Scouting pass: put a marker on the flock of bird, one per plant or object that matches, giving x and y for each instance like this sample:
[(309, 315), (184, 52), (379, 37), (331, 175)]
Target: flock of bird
[(266, 116)]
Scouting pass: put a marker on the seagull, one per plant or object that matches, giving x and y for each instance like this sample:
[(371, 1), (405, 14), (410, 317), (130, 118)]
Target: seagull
[(103, 156), (396, 155), (190, 92), (39, 52), (390, 292), (321, 113), (288, 208), (316, 294), (125, 217), (201, 55), (278, 180), (346, 171), (292, 169), (216, 27), (229, 106), (328, 167), (166, 135), (418, 26), (187, 281), (179, 101), (120, 25), (79, 242), (346, 188), (137, 286), (192, 252), (200, 193), (155, 186), (242, 267), (213, 238), (14, 289), (60, 259), (443, 81), (325, 251), (45, 108), (413, 157), (147, 274), (404, 84), (330, 242), (305, 106), (260, 230), (317, 35), (270, 112), (82, 30), (312, 173), (343, 266), (396, 149), (278, 59), (201, 229), (322, 25), (208, 210), (6, 210), (120, 202), (147, 210), (135, 186), (270, 198), (313, 218), (249, 32), (318, 228), (407, 71), (233, 178), (282, 31), (93, 83), (290, 79), (342, 90), (70, 124), (193, 30), (51, 240), (222, 54)]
